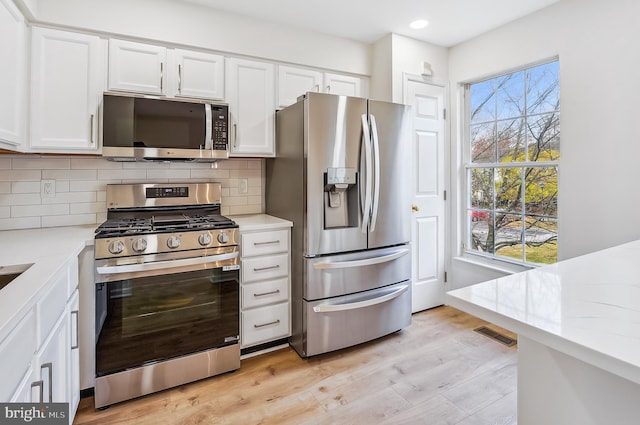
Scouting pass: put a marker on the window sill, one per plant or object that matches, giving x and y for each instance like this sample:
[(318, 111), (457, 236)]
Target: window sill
[(493, 264)]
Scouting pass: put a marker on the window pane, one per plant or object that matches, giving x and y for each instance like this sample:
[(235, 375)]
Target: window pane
[(481, 235), (483, 146), (482, 188), (541, 193), (482, 102), (508, 189), (509, 237), (543, 88), (511, 139), (510, 95), (542, 240), (544, 137)]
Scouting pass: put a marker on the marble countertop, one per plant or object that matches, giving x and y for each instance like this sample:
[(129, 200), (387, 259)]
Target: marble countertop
[(587, 307), (259, 222)]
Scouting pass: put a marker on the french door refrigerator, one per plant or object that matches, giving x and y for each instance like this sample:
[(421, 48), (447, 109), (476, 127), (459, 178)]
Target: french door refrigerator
[(341, 175)]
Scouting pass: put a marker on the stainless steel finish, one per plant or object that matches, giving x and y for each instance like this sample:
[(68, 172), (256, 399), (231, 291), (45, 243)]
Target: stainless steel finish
[(161, 76), (208, 132), (342, 274), (40, 384), (204, 239), (266, 243), (261, 269), (262, 325), (76, 344), (91, 121), (148, 154), (235, 135), (139, 245), (159, 376), (49, 366), (332, 306), (111, 270), (344, 328), (264, 294), (180, 78), (133, 195)]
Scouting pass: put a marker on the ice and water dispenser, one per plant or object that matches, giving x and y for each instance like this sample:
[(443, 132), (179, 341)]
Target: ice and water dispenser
[(340, 198)]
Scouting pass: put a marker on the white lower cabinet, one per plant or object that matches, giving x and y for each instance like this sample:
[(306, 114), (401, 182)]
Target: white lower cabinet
[(265, 282)]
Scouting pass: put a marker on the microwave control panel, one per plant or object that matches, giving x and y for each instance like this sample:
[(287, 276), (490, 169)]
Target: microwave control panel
[(220, 132)]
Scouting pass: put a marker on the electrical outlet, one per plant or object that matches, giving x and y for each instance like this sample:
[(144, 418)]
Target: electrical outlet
[(243, 186), (48, 189)]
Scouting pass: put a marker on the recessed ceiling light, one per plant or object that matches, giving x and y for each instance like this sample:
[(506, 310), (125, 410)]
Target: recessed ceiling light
[(419, 24)]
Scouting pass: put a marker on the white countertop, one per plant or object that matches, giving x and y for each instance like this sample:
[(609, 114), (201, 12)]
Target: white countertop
[(587, 307), (259, 222)]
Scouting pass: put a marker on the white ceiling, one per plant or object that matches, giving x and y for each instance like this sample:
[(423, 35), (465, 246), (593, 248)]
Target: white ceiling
[(450, 21)]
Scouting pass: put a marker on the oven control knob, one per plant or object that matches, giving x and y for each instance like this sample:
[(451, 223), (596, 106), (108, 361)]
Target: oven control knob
[(116, 247), (204, 239), (223, 237), (139, 245), (173, 242)]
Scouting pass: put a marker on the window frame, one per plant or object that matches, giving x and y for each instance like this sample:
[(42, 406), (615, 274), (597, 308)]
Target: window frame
[(468, 166)]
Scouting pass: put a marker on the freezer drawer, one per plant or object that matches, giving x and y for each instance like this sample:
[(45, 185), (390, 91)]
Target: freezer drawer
[(336, 275), (353, 319)]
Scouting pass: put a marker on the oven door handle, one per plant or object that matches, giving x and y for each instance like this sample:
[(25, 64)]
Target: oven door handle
[(160, 265)]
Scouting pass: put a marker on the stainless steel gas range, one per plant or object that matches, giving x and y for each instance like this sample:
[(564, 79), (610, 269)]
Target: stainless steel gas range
[(167, 289)]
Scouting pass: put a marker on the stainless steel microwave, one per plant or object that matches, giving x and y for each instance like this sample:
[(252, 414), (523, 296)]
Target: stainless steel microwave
[(148, 128)]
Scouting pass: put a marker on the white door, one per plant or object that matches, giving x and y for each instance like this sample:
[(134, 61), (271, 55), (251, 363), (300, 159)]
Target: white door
[(427, 227)]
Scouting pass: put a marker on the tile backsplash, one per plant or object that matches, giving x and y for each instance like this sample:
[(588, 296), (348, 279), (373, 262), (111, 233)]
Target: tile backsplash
[(79, 186)]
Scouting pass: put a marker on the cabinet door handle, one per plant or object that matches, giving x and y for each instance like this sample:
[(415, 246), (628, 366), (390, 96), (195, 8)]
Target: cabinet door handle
[(235, 135), (76, 345), (265, 243), (50, 367), (40, 384), (161, 77), (275, 322), (261, 269), (93, 117), (277, 291), (180, 78), (317, 88), (328, 89)]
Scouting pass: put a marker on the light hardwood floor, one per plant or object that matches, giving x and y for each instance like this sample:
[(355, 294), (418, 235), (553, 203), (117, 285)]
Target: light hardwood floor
[(436, 371)]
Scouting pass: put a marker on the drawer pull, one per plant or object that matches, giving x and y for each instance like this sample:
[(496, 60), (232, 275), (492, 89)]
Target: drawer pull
[(275, 322), (277, 291), (261, 269), (50, 367), (266, 243), (39, 384)]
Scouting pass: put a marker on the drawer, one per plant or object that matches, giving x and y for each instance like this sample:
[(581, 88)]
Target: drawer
[(263, 243), (51, 305), (263, 268), (264, 293), (16, 352), (265, 324)]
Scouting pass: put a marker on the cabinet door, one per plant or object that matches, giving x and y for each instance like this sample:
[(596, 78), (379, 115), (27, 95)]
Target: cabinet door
[(12, 71), (345, 85), (137, 67), (199, 74), (65, 88), (294, 82), (73, 351), (251, 98), (51, 364)]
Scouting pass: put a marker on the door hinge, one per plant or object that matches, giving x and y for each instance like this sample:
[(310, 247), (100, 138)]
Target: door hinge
[(445, 277), (445, 195), (444, 114)]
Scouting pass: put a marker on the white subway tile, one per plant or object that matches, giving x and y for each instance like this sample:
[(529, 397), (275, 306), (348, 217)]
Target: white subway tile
[(62, 185), (254, 200), (168, 174), (193, 165), (124, 174), (234, 200), (39, 210), (71, 198), (5, 212), (244, 209), (25, 187), (69, 174), (232, 164), (255, 164), (209, 174), (5, 187), (68, 220), (89, 207), (40, 163), (101, 196), (101, 217), (19, 175), (19, 223), (88, 185), (94, 164), (20, 199), (245, 174), (5, 163)]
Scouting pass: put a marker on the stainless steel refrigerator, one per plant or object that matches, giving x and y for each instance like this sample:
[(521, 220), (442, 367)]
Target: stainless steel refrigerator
[(341, 175)]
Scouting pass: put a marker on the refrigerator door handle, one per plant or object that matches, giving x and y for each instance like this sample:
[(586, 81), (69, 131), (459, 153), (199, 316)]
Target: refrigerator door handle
[(360, 263), (327, 308), (366, 140), (376, 174)]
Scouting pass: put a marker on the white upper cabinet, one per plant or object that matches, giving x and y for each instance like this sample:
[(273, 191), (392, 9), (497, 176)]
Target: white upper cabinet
[(67, 80), (199, 74), (137, 67), (294, 82), (12, 72), (250, 88)]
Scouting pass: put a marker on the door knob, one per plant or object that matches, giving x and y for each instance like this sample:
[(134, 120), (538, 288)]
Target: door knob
[(415, 208)]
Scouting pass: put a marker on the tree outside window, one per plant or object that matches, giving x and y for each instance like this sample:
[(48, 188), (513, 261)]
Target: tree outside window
[(512, 172)]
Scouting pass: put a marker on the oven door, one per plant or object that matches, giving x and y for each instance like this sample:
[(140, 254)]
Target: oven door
[(143, 318)]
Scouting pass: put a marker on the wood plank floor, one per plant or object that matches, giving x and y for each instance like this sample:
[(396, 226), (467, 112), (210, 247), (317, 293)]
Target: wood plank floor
[(436, 371)]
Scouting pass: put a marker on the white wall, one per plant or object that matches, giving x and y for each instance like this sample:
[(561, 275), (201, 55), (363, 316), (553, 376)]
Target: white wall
[(597, 43), (194, 25)]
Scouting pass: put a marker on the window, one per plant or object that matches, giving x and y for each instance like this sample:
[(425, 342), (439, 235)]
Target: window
[(513, 134)]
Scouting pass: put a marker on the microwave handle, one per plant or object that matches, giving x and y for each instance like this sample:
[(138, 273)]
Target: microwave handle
[(208, 129)]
